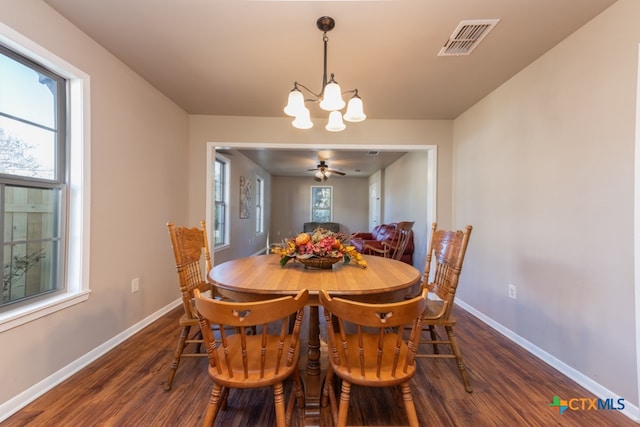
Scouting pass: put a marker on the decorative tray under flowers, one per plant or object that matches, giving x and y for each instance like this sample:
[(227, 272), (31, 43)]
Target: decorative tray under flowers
[(320, 249)]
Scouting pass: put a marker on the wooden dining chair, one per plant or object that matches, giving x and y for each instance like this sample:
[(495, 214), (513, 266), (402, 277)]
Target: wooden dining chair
[(447, 250), (191, 251), (242, 359), (367, 348), (393, 249)]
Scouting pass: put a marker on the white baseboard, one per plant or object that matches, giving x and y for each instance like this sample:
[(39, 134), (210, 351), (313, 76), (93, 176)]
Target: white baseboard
[(600, 391), (13, 405)]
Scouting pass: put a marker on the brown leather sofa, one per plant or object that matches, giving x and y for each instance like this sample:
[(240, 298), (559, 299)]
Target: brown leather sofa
[(380, 233)]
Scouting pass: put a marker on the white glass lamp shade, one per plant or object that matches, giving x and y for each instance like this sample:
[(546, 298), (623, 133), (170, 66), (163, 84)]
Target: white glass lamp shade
[(295, 105), (335, 122), (355, 113), (321, 176), (332, 98), (303, 119)]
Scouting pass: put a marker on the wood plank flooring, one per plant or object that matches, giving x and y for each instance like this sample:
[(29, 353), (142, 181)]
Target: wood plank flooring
[(125, 388)]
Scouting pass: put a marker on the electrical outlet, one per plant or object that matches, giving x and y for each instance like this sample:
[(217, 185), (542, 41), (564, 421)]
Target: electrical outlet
[(512, 291), (135, 285)]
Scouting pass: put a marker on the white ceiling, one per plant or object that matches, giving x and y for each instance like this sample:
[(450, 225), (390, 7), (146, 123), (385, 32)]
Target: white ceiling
[(353, 163), (241, 57)]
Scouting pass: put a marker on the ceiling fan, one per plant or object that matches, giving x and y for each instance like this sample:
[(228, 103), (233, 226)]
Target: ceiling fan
[(323, 172)]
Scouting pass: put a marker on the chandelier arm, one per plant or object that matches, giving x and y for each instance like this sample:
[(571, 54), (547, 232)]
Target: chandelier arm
[(317, 96)]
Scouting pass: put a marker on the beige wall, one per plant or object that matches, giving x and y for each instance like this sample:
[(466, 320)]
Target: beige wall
[(406, 198), (291, 204), (279, 132), (139, 175), (544, 171)]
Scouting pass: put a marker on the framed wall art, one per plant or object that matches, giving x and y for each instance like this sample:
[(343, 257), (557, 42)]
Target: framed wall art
[(245, 197)]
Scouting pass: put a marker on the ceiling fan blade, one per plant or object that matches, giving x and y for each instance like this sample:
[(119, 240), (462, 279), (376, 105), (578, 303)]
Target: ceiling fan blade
[(335, 171)]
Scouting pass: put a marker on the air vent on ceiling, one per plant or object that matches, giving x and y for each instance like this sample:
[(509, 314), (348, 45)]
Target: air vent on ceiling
[(372, 153), (467, 36)]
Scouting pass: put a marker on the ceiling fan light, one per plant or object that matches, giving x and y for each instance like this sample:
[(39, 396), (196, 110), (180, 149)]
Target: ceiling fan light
[(295, 104), (319, 174), (355, 112), (303, 120), (335, 122), (332, 98)]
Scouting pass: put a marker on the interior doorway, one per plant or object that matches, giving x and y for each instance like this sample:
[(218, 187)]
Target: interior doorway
[(374, 206), (427, 214)]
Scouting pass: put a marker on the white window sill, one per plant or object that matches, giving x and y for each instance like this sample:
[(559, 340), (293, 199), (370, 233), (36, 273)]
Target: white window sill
[(221, 247), (28, 313)]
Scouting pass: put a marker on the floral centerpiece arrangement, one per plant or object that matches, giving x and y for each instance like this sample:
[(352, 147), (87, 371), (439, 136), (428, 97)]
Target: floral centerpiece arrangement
[(320, 245)]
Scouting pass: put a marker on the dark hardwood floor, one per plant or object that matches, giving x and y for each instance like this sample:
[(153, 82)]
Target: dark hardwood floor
[(125, 388)]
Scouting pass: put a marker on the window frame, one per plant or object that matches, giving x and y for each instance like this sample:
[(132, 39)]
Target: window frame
[(74, 261), (225, 202), (313, 209), (57, 184)]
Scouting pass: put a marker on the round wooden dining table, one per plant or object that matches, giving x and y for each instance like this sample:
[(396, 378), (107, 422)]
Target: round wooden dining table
[(262, 276)]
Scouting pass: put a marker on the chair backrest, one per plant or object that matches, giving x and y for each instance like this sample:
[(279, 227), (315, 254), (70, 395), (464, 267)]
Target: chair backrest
[(401, 237), (190, 245), (258, 356), (447, 249), (379, 351)]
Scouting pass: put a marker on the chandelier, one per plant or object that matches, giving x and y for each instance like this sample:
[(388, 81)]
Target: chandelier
[(329, 98)]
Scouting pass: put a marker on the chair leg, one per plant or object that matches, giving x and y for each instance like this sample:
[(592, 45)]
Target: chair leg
[(329, 395), (213, 407), (409, 405), (176, 357), (297, 394), (343, 410), (327, 388), (456, 352), (278, 400), (299, 389), (198, 336), (434, 337), (223, 398)]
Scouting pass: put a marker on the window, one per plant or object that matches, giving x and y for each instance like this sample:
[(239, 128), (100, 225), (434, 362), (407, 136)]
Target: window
[(321, 204), (32, 178), (44, 181), (221, 192), (259, 204)]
